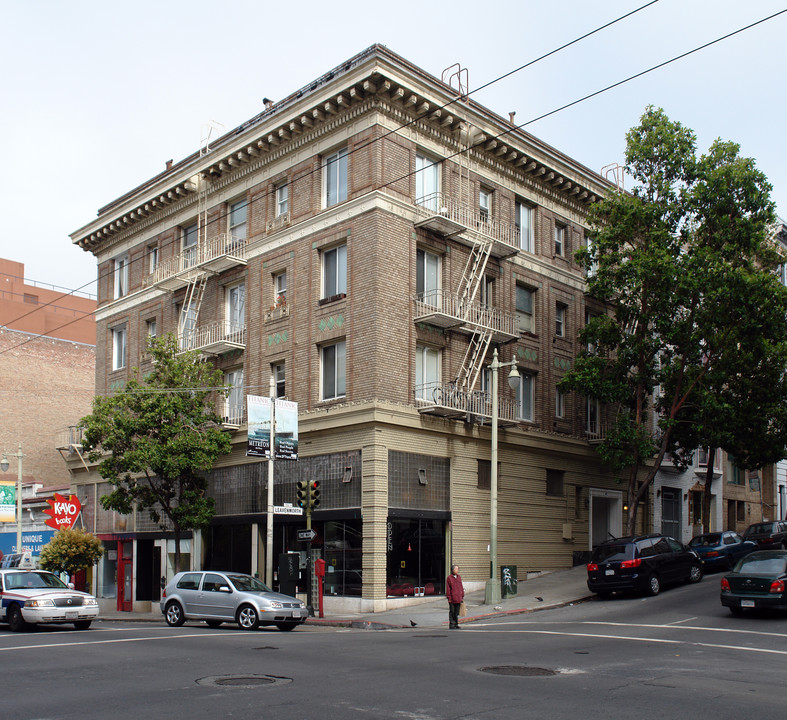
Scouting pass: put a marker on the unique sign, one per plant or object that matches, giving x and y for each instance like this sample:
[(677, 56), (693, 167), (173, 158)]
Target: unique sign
[(63, 512)]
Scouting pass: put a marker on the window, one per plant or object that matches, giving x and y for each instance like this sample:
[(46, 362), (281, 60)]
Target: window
[(282, 199), (555, 483), (593, 267), (485, 204), (233, 406), (524, 399), (187, 325), (427, 182), (592, 415), (279, 387), (333, 371), (336, 178), (560, 239), (152, 259), (236, 307), (190, 235), (427, 277), (560, 319), (590, 348), (737, 476), (118, 348), (524, 308), (560, 403), (485, 474), (280, 288), (121, 276), (238, 213), (523, 220), (486, 293), (334, 271), (150, 327), (427, 372)]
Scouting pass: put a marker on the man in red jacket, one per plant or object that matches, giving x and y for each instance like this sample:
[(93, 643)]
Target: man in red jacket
[(455, 593)]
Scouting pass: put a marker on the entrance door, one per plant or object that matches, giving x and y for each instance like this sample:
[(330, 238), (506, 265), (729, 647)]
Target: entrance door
[(605, 515), (670, 512), (125, 575)]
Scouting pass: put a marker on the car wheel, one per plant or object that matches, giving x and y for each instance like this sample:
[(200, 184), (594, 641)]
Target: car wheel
[(286, 626), (83, 624), (173, 614), (654, 585), (15, 620), (736, 610), (695, 574), (213, 623), (248, 618)]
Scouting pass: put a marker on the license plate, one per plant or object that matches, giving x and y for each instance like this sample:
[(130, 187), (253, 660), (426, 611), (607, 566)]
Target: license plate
[(296, 613), (72, 615), (609, 572), (747, 603)]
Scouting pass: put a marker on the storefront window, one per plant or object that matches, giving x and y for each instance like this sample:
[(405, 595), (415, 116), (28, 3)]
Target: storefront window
[(343, 558), (416, 557), (108, 571)]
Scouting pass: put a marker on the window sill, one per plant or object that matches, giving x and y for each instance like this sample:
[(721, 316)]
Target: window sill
[(332, 298)]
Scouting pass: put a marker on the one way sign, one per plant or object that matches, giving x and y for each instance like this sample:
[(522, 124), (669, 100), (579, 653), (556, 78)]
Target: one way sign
[(306, 535)]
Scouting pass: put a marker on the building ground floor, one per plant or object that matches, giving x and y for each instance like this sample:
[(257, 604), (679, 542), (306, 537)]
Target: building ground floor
[(403, 496)]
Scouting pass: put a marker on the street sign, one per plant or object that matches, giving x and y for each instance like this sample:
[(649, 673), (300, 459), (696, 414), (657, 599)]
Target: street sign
[(306, 535), (287, 510)]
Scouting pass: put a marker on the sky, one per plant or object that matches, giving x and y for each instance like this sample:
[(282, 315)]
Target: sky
[(97, 96)]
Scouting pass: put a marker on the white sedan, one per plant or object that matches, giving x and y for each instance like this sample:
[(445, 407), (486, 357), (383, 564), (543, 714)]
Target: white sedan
[(30, 597)]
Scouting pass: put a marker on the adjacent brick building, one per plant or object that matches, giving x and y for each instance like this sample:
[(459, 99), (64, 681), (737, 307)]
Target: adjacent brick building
[(367, 242)]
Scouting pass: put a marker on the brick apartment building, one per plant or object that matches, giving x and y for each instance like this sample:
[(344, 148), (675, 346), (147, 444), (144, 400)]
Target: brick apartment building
[(368, 242)]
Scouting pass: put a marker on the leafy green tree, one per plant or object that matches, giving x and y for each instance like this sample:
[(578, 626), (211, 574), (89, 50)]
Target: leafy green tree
[(71, 550), (155, 438), (684, 265)]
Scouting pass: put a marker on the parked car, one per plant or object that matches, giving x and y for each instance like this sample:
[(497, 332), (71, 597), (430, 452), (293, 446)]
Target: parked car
[(758, 581), (642, 563), (218, 597), (721, 550), (32, 597), (768, 535)]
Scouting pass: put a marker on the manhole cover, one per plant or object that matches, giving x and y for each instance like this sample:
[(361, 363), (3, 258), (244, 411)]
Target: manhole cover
[(244, 681), (518, 671)]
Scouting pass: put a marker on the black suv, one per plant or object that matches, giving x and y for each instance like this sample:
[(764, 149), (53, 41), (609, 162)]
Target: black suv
[(642, 564), (768, 535)]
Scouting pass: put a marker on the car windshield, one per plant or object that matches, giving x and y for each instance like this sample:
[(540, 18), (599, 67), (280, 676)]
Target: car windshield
[(758, 565), (706, 540), (758, 529), (34, 580), (613, 551), (248, 583)]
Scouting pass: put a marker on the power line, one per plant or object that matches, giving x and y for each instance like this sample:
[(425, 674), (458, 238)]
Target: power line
[(307, 173), (509, 130)]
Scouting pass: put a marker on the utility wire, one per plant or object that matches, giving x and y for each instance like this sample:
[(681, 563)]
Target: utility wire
[(412, 121), (521, 125)]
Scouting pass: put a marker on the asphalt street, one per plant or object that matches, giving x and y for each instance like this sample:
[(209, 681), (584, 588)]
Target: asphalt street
[(670, 656)]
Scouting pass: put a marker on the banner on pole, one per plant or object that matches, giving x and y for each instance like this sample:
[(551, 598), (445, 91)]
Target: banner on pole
[(7, 501), (259, 433), (286, 436)]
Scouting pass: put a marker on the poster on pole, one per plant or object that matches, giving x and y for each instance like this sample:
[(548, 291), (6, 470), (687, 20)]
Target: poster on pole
[(7, 501), (259, 435), (286, 437)]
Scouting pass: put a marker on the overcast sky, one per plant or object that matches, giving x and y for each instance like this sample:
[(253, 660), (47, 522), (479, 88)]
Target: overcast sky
[(96, 96)]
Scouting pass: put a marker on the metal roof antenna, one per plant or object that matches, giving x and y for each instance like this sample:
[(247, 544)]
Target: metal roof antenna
[(459, 74)]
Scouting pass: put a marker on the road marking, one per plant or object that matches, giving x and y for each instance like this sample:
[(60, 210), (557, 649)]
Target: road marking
[(678, 622), (117, 640)]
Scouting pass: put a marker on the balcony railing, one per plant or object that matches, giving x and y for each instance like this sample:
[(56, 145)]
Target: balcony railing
[(215, 339), (218, 254), (69, 438), (448, 310), (446, 215), (233, 415), (447, 400), (595, 431)]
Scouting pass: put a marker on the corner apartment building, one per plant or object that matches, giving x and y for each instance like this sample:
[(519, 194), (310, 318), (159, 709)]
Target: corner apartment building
[(364, 245)]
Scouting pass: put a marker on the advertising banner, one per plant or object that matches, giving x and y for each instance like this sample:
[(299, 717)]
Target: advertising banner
[(286, 436), (259, 434), (7, 501)]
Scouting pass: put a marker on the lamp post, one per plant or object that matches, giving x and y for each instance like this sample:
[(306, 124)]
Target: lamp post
[(492, 595), (4, 467)]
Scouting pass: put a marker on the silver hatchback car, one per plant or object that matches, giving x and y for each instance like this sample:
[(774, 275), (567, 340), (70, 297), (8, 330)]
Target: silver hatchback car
[(218, 597)]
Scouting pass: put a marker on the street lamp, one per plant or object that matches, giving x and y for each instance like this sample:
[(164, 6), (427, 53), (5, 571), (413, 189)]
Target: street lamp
[(492, 595), (4, 468)]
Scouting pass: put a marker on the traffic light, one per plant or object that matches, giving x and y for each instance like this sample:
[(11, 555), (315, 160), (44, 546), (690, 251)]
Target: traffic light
[(302, 494), (314, 493)]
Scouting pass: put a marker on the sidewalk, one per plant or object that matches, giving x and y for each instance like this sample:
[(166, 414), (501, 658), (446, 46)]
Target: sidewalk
[(551, 590)]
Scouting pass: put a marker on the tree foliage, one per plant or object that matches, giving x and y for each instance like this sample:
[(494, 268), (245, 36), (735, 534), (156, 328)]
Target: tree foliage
[(71, 550), (155, 438), (696, 308)]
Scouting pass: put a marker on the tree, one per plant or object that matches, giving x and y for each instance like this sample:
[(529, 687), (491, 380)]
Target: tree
[(154, 438), (71, 550), (684, 265)]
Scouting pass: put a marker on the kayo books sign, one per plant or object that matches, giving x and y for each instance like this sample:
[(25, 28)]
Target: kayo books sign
[(63, 511)]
